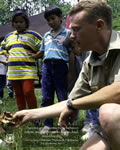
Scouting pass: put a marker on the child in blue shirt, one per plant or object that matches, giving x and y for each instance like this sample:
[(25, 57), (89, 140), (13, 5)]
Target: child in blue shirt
[(56, 58)]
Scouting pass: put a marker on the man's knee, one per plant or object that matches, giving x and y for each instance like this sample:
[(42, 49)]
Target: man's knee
[(95, 142), (108, 115)]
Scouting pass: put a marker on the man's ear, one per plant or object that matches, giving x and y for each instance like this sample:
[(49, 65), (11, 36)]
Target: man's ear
[(100, 24)]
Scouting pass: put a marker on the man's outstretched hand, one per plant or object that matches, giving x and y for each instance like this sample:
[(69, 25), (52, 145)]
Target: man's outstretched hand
[(21, 117)]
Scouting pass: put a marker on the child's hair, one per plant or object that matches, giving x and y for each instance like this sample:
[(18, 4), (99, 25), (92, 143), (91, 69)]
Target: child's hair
[(21, 12), (52, 10)]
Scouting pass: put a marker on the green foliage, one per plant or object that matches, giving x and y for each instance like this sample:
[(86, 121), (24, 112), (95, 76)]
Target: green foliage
[(115, 5), (5, 14), (32, 7)]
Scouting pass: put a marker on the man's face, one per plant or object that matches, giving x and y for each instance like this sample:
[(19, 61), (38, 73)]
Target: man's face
[(83, 33)]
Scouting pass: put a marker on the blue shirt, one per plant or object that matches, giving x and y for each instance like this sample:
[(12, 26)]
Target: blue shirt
[(53, 45)]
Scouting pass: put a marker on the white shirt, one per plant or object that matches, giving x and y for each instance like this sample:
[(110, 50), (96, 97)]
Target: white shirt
[(3, 68)]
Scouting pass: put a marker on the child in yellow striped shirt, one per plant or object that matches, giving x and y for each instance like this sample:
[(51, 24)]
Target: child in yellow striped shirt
[(22, 70)]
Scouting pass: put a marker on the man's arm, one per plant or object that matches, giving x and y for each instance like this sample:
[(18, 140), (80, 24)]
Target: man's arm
[(39, 113), (108, 94)]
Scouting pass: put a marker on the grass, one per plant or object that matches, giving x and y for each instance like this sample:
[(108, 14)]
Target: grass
[(30, 132)]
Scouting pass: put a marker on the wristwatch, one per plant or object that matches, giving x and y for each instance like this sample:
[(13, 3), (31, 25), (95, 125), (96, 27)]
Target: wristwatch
[(69, 105)]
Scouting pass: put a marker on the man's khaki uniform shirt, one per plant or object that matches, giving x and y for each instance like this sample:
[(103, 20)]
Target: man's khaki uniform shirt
[(97, 73)]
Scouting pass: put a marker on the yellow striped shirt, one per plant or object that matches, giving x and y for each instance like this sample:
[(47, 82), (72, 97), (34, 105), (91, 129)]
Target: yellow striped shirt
[(20, 65)]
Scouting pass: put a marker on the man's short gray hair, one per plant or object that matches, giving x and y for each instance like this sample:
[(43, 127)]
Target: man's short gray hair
[(96, 9)]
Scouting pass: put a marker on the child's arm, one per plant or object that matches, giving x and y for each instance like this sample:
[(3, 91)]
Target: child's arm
[(5, 53), (39, 54), (3, 62)]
